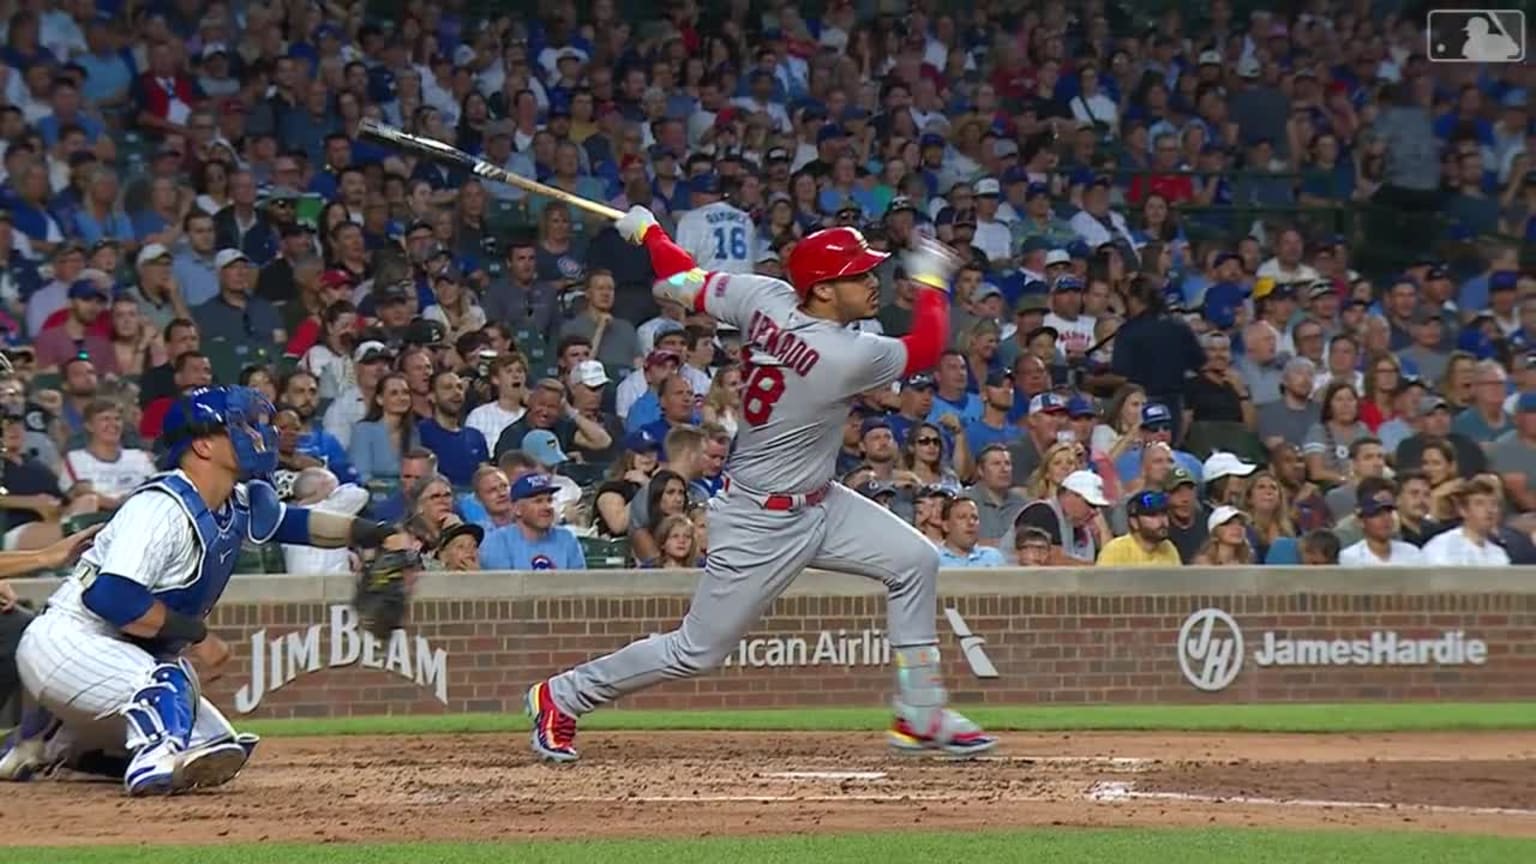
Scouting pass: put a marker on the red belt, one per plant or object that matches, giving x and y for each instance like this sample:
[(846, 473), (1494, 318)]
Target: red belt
[(784, 503)]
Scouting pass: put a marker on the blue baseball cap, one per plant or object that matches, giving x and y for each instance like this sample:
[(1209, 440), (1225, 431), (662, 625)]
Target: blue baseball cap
[(829, 132), (86, 289), (641, 441), (1222, 301), (1037, 189), (999, 378), (1156, 414), (532, 486), (920, 381), (1067, 282), (931, 139), (1526, 404), (544, 448), (1081, 406), (1503, 280), (871, 424), (1015, 175)]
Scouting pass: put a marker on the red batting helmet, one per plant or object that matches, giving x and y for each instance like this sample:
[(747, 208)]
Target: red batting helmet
[(832, 253)]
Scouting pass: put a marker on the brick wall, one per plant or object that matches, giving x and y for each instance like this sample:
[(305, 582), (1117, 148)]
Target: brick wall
[(1046, 649)]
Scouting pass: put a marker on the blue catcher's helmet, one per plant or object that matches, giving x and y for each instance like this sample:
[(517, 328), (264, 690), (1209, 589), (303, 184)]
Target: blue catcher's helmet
[(239, 412)]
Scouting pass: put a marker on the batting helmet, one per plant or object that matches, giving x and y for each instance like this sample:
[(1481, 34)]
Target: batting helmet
[(832, 253)]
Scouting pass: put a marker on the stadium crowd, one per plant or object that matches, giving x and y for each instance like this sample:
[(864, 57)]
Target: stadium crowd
[(1241, 288)]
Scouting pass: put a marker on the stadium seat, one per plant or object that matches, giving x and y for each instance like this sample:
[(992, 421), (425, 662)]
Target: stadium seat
[(272, 560), (250, 561), (605, 553)]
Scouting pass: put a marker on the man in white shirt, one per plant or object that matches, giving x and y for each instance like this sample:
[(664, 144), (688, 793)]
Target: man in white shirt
[(1096, 224), (1470, 545), (509, 375), (317, 489), (1287, 267), (992, 235), (370, 361), (111, 470), (720, 237), (1074, 330), (1377, 509)]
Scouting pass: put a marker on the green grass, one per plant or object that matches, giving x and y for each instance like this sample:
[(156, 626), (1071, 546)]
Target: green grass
[(1354, 717), (1036, 847)]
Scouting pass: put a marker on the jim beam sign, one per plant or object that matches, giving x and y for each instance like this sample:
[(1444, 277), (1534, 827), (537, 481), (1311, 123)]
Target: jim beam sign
[(1211, 650), (279, 660)]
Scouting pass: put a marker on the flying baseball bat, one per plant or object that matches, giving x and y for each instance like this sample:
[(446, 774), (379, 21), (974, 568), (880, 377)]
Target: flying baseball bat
[(440, 152)]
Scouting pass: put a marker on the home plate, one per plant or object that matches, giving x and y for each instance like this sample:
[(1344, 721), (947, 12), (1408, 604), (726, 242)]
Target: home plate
[(827, 775)]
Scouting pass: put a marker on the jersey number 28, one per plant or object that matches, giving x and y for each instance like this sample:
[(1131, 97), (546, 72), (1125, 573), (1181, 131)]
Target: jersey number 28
[(765, 384), (731, 244)]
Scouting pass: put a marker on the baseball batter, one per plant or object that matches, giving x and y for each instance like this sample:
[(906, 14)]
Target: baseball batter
[(720, 237), (779, 511), (108, 664)]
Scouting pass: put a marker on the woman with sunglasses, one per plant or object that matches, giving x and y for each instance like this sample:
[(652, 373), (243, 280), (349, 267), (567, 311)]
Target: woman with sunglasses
[(1146, 543), (924, 456)]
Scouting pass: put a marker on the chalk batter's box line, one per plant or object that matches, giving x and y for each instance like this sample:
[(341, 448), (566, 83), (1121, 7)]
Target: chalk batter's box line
[(1110, 793)]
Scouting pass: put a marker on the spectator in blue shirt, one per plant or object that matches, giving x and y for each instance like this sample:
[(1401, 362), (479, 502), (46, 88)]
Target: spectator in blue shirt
[(962, 527), (534, 541), (992, 427), (951, 396), (301, 391), (66, 112), (100, 216), (460, 449), (1156, 425), (677, 408)]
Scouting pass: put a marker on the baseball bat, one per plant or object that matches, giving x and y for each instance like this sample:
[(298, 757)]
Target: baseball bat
[(440, 152)]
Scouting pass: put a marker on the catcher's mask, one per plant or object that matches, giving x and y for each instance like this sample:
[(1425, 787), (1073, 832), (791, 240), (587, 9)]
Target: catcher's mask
[(239, 412)]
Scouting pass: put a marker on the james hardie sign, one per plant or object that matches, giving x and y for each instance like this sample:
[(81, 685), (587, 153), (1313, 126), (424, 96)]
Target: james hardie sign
[(279, 660)]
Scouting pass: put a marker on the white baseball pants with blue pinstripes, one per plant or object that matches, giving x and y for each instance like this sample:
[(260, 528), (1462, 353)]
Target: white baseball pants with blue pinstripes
[(85, 678)]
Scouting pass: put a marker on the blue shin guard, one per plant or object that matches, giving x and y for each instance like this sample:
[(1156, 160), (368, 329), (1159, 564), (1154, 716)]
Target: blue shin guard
[(160, 716)]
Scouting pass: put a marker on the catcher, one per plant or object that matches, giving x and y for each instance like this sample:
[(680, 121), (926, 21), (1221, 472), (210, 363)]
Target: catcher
[(113, 662)]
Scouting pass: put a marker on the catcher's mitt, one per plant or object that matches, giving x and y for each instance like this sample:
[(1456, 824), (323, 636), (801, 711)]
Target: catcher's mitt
[(382, 598)]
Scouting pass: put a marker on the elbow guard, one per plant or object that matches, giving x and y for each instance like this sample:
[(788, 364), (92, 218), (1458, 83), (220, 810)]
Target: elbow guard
[(116, 599)]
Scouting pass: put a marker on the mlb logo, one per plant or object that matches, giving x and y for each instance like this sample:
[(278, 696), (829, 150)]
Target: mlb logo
[(1476, 36)]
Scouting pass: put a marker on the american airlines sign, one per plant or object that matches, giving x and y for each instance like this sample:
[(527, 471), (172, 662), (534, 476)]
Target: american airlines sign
[(1211, 650)]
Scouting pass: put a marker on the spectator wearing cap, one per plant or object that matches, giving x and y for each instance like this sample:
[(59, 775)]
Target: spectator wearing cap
[(927, 508), (1477, 503), (1146, 544), (614, 340), (1376, 510), (1503, 267), (962, 547), (585, 385), (993, 236), (543, 448), (1218, 399), (1226, 543), (160, 300), (32, 502), (883, 494), (1513, 456), (1187, 523), (883, 456), (458, 546), (997, 501), (1226, 478), (196, 267), (1045, 424), (1289, 417), (456, 307), (1040, 229), (639, 390), (915, 406), (1485, 420), (234, 314), (1074, 330), (1068, 517), (521, 299), (78, 334), (534, 541), (241, 225), (1156, 426), (460, 449), (627, 476), (993, 426), (1096, 224), (1154, 349)]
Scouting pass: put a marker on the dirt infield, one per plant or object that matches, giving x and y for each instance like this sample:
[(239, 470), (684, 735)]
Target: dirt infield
[(481, 787)]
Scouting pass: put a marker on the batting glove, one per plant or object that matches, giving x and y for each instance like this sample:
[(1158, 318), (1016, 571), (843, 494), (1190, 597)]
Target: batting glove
[(930, 263), (633, 225)]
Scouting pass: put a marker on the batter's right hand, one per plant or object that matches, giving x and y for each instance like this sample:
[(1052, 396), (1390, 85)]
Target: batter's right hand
[(931, 263), (633, 225)]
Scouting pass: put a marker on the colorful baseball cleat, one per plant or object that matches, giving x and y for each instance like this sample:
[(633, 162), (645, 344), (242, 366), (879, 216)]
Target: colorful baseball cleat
[(951, 734), (554, 732)]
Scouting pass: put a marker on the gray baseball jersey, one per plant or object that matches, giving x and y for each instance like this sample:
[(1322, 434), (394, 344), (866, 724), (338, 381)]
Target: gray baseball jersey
[(801, 372)]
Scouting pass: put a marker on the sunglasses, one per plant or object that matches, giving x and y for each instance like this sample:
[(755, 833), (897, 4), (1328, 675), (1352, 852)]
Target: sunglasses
[(927, 439)]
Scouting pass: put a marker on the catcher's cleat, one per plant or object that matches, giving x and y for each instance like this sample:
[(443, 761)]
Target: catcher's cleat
[(24, 752), (554, 732), (209, 766), (952, 734)]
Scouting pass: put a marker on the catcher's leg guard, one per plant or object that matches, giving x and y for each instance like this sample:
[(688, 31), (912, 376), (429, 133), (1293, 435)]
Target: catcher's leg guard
[(24, 752), (160, 718)]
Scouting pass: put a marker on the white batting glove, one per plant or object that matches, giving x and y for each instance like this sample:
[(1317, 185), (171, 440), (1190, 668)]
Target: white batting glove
[(929, 262), (633, 225)]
